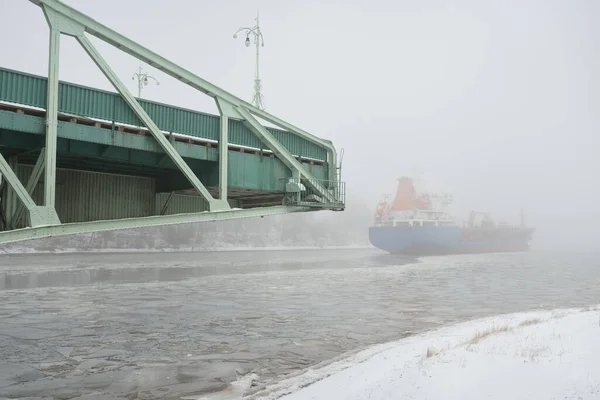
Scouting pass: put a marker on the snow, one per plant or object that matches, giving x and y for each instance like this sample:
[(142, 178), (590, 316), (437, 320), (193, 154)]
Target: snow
[(537, 355)]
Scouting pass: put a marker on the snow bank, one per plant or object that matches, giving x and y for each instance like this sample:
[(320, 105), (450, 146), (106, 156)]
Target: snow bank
[(539, 355)]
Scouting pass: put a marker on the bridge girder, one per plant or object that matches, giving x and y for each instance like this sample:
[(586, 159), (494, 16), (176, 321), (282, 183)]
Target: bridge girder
[(63, 19)]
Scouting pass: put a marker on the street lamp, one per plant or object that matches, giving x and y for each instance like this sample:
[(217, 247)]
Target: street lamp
[(257, 99), (142, 78)]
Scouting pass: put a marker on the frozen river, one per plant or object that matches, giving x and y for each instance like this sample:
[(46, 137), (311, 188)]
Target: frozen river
[(164, 325)]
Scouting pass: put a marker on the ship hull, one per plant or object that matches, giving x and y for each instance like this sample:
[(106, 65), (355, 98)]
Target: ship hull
[(442, 240)]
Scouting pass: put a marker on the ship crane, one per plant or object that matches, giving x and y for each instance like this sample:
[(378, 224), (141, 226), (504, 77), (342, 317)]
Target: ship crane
[(486, 221)]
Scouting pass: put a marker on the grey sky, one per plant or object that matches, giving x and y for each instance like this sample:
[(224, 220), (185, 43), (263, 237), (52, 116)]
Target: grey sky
[(496, 100)]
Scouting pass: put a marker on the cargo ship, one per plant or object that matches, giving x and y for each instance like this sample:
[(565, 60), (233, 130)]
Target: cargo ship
[(418, 224)]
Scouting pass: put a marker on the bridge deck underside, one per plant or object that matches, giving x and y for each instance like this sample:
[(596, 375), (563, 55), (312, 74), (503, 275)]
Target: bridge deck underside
[(83, 196)]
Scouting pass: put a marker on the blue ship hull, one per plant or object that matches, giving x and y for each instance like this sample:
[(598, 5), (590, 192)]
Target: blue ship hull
[(438, 240)]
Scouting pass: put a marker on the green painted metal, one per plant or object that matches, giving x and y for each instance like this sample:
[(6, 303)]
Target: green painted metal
[(181, 203), (131, 223), (246, 170), (88, 216), (299, 194), (51, 117), (89, 196), (9, 198), (284, 155), (106, 34), (223, 157), (67, 130), (166, 202), (39, 215), (320, 173), (32, 182), (27, 89), (251, 171), (215, 204)]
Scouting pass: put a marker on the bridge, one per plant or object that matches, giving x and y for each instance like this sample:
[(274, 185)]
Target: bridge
[(76, 159)]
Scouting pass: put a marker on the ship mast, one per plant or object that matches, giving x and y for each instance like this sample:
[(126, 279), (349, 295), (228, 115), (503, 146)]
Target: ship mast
[(417, 178)]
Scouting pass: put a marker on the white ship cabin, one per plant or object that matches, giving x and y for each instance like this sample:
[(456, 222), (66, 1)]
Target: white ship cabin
[(416, 217), (431, 212)]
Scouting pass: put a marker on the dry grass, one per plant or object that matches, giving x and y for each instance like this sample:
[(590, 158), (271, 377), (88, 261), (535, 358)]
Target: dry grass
[(533, 353), (528, 322), (431, 352), (479, 336), (555, 336), (559, 314)]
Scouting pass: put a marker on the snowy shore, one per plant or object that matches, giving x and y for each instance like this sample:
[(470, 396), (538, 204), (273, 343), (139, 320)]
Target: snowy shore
[(536, 355)]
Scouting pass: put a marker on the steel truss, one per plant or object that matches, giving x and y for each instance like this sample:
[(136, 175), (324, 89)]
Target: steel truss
[(65, 20)]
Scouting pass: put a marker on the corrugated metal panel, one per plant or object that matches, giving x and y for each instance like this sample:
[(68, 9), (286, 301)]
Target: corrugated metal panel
[(89, 196), (80, 100), (250, 171), (180, 204), (18, 87), (74, 99), (123, 113), (191, 123), (160, 114), (240, 134), (318, 171), (299, 146)]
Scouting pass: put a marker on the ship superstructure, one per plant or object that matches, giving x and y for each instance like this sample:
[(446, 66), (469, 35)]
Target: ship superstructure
[(420, 224)]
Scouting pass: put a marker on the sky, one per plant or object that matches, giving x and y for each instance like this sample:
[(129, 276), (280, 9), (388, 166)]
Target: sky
[(494, 102)]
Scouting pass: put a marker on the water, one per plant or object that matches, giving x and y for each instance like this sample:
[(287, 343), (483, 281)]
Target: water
[(166, 325)]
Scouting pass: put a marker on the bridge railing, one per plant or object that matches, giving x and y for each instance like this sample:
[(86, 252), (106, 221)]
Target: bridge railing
[(301, 192)]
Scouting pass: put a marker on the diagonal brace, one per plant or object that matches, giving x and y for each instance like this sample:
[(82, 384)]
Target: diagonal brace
[(282, 153), (39, 215), (141, 53), (34, 178), (145, 118), (15, 183)]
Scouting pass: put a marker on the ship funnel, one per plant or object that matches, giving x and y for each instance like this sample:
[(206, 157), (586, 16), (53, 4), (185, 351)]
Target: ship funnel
[(406, 196)]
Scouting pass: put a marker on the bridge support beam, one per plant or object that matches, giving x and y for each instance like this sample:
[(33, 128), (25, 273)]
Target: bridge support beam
[(32, 182), (72, 16), (12, 200), (38, 215), (214, 204), (223, 156), (282, 153), (52, 119), (132, 223), (226, 112)]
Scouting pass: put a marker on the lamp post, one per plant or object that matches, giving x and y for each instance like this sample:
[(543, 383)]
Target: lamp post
[(257, 99), (142, 78)]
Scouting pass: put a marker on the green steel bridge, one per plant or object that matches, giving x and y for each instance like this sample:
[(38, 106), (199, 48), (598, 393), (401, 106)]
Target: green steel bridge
[(76, 159)]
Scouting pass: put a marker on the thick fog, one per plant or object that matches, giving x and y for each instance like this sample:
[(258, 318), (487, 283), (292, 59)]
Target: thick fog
[(495, 102)]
